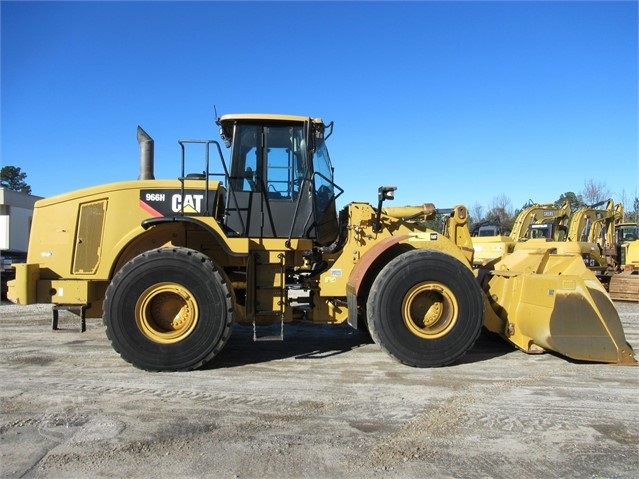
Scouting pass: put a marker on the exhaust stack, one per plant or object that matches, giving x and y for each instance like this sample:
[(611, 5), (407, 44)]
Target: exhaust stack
[(146, 155)]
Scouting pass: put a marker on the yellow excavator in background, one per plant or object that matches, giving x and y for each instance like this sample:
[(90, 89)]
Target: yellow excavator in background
[(171, 265), (624, 284), (594, 224), (587, 232), (539, 220), (593, 232)]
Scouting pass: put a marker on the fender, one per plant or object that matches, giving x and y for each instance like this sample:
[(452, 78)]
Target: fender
[(223, 241), (361, 268), (439, 242), (436, 241)]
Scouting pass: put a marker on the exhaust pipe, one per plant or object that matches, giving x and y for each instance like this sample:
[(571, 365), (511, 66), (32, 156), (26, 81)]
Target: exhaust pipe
[(146, 155)]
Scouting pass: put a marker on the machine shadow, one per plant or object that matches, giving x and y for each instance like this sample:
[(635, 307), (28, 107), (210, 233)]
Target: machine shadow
[(488, 346), (315, 342), (301, 341)]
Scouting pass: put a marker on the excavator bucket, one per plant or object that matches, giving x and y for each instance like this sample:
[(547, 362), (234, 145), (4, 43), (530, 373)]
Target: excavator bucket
[(542, 301)]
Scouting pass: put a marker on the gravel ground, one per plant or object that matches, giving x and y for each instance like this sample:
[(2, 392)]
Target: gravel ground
[(325, 403)]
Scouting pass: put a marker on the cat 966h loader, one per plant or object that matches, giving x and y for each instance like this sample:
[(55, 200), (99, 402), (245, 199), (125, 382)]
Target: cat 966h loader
[(171, 265)]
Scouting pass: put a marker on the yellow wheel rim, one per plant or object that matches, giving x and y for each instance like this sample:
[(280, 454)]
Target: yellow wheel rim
[(166, 313), (430, 310)]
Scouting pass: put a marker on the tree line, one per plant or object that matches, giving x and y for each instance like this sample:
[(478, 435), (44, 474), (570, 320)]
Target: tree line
[(501, 211), (13, 178)]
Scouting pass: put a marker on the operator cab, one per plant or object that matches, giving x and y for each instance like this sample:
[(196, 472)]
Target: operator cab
[(627, 233), (547, 231), (280, 180)]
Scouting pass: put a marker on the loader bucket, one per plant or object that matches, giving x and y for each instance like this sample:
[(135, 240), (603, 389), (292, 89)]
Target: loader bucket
[(551, 302)]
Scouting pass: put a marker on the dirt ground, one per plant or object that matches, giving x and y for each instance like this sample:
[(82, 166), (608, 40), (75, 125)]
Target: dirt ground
[(325, 403)]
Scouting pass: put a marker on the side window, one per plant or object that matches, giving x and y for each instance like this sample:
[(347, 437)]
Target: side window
[(269, 159), (245, 159), (250, 171), (279, 172), (286, 161), (324, 191)]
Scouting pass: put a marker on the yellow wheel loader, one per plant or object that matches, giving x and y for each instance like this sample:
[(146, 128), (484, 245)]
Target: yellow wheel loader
[(172, 265)]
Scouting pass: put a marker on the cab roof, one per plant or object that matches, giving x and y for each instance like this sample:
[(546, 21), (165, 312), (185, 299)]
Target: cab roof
[(266, 117)]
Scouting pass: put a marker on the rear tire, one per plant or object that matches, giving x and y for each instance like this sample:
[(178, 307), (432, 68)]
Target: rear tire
[(169, 309), (425, 308)]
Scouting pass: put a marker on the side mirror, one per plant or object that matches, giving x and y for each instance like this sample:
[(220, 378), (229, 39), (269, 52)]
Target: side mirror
[(383, 193)]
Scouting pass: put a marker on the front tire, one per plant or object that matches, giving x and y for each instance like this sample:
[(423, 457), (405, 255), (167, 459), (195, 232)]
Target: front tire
[(169, 309), (425, 308)]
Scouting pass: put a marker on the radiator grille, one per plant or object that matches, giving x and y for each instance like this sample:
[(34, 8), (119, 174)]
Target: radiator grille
[(88, 239)]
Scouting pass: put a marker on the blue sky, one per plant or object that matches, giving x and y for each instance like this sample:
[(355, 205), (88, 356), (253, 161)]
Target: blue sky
[(452, 102)]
